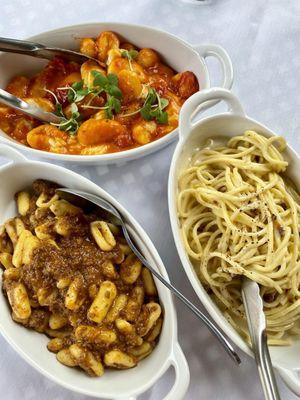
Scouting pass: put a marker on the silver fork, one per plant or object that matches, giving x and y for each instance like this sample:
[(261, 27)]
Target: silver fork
[(87, 200)]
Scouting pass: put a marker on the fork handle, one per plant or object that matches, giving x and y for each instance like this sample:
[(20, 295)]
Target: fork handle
[(210, 325)]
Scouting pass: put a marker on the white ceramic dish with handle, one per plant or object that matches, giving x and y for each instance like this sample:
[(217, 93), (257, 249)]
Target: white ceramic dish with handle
[(114, 384), (192, 136), (176, 52)]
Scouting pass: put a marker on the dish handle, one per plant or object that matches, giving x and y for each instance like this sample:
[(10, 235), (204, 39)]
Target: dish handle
[(11, 154), (213, 50), (182, 373), (198, 102), (182, 376), (291, 379)]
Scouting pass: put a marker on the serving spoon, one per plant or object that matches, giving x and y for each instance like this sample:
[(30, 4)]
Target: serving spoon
[(87, 201), (257, 327)]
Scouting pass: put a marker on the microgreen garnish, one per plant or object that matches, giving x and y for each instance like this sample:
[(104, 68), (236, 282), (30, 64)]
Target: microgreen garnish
[(71, 124), (131, 113), (153, 107), (130, 55), (77, 92), (53, 94), (59, 110), (109, 85), (113, 105)]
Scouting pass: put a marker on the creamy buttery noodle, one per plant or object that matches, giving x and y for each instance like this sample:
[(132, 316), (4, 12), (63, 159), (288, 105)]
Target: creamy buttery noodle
[(240, 216)]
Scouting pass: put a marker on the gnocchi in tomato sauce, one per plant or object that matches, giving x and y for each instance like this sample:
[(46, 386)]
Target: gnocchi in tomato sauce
[(126, 98)]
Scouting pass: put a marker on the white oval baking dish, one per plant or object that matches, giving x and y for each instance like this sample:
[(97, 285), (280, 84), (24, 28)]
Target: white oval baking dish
[(177, 53), (126, 384), (194, 135)]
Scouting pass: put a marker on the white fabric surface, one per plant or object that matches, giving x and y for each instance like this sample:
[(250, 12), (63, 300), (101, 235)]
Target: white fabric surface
[(262, 38)]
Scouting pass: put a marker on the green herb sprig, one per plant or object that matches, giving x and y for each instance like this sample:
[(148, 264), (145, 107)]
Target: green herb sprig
[(130, 55), (153, 107), (71, 124), (109, 85), (77, 92)]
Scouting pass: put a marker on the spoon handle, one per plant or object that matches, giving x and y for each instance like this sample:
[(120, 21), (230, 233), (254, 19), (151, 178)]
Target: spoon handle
[(21, 105), (213, 328), (257, 328)]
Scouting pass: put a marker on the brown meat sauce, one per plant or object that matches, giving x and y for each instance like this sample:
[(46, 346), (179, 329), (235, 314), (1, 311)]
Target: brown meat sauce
[(75, 255)]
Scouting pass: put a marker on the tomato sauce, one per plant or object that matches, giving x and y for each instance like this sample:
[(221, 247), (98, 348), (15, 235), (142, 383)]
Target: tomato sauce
[(100, 119)]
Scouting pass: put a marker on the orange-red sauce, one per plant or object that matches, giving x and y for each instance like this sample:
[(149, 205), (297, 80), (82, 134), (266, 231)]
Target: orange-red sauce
[(127, 128)]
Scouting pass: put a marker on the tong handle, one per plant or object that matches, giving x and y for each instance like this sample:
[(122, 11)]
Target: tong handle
[(19, 46), (26, 108), (257, 328), (265, 368)]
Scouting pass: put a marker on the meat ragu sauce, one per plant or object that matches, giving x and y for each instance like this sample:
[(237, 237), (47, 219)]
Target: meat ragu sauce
[(128, 99), (73, 277)]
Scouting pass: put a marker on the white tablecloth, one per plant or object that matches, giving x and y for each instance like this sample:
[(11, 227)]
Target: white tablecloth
[(262, 38)]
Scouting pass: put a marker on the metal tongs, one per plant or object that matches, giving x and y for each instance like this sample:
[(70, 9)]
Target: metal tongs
[(40, 51), (257, 328)]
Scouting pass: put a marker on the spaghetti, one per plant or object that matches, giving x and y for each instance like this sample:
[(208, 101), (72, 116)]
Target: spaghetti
[(240, 217)]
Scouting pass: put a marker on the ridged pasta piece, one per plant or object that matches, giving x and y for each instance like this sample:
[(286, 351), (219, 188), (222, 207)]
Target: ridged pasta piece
[(74, 297), (65, 357), (149, 285), (130, 269), (57, 321), (24, 248), (119, 359), (19, 301), (44, 202), (23, 202), (86, 360), (148, 317), (6, 260), (103, 235), (98, 335), (55, 345), (102, 302), (141, 351), (62, 207), (134, 304), (118, 305)]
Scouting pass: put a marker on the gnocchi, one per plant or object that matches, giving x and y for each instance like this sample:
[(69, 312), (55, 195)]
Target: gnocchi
[(120, 99)]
